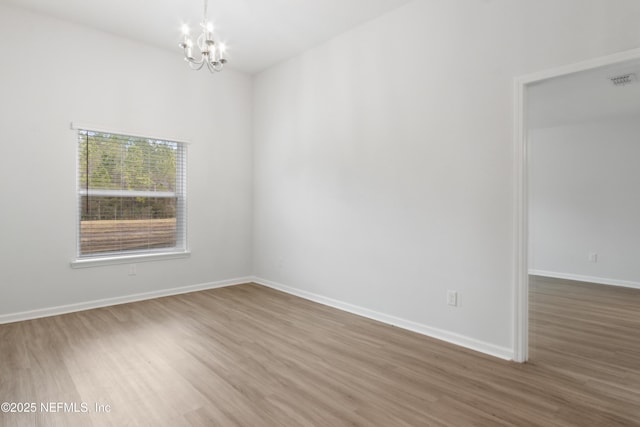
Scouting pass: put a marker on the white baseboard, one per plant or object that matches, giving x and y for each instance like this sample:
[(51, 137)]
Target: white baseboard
[(451, 337), (589, 279), (70, 308)]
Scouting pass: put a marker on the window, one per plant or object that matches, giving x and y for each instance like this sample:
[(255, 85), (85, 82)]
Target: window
[(131, 196)]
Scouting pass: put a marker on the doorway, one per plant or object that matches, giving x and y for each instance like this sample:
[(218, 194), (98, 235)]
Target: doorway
[(526, 115)]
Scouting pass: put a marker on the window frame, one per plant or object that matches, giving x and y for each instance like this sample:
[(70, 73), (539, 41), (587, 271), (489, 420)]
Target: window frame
[(181, 250)]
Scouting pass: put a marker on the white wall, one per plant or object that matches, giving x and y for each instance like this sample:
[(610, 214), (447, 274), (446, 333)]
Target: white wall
[(584, 199), (384, 160), (51, 73)]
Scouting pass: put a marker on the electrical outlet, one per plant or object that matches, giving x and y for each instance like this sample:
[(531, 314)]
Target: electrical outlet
[(133, 269), (452, 298), (593, 257)]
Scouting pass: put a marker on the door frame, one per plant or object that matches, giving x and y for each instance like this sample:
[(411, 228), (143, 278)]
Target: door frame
[(521, 169)]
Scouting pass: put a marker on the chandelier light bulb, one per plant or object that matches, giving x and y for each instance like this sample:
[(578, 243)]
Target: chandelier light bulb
[(222, 50)]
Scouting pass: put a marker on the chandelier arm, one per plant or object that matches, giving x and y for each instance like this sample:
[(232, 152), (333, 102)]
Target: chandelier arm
[(196, 65), (201, 42), (187, 57), (217, 67), (214, 68), (192, 60)]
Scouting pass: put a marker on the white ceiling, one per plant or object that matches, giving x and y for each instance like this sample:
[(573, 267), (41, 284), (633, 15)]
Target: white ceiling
[(584, 96), (259, 33)]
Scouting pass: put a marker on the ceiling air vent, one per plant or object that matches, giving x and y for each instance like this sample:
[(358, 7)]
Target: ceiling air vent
[(623, 79)]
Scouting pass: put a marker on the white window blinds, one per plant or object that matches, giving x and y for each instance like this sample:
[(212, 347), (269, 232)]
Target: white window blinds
[(131, 195)]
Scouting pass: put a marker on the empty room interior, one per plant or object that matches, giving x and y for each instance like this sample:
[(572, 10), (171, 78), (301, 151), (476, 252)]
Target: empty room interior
[(320, 213)]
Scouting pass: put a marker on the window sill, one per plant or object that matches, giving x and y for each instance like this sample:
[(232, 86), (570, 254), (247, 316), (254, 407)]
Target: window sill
[(127, 259)]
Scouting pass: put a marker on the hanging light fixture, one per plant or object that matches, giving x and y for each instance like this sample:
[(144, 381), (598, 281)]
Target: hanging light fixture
[(212, 53)]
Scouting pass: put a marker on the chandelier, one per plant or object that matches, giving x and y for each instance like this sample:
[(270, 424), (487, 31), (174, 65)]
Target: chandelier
[(212, 53)]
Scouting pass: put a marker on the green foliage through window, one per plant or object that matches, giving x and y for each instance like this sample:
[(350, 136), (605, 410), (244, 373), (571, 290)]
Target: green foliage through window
[(130, 192)]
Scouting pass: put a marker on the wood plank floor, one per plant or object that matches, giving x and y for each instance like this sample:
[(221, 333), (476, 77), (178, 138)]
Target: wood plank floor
[(251, 356), (589, 333)]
